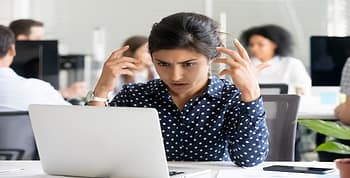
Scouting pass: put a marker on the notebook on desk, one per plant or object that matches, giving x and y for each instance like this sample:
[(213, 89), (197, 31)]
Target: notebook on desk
[(102, 142)]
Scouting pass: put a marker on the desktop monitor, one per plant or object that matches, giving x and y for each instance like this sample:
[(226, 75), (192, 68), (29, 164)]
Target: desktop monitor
[(38, 59), (328, 56)]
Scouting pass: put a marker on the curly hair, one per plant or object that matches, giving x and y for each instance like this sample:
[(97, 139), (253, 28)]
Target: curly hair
[(280, 36)]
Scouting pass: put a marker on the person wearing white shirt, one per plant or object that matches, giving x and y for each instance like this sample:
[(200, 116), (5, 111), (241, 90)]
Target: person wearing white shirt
[(17, 92), (272, 45), (33, 30)]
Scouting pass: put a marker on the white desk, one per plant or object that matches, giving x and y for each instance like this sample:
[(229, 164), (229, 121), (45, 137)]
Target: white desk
[(315, 110), (32, 169), (320, 104), (317, 114)]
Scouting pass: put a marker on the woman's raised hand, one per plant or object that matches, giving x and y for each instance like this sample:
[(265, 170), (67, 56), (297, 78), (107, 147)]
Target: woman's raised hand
[(242, 71), (115, 65)]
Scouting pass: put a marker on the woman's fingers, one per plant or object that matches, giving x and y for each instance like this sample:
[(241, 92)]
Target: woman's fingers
[(136, 63), (234, 55), (225, 72), (127, 72), (262, 66), (241, 70), (121, 61), (126, 65), (118, 53), (238, 59), (226, 61), (242, 52), (125, 59)]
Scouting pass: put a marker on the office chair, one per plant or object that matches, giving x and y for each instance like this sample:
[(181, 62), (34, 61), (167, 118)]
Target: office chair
[(16, 136), (273, 88), (281, 119)]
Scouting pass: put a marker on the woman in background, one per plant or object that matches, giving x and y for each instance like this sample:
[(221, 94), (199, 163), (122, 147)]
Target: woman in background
[(138, 49), (272, 44)]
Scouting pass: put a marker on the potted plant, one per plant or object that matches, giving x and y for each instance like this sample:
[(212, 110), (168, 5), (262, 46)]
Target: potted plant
[(335, 130)]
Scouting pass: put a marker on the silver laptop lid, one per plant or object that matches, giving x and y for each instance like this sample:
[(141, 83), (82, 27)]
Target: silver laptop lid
[(99, 141)]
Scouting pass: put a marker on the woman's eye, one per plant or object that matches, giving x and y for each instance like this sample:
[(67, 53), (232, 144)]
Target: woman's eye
[(163, 64), (188, 64)]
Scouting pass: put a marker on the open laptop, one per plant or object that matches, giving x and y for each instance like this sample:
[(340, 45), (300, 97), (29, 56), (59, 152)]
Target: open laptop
[(102, 142)]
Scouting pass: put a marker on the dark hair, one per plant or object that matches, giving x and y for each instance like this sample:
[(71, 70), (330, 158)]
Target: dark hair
[(281, 37), (186, 31), (7, 39), (134, 42), (23, 26)]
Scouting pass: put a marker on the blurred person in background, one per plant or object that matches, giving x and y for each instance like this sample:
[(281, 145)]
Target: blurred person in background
[(145, 71), (31, 30), (272, 44), (17, 92)]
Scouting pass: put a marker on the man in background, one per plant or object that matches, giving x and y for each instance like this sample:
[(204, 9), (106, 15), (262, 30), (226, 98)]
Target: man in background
[(28, 29), (17, 92)]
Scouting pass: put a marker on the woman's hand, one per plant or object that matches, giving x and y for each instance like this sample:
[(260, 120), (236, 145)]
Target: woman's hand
[(242, 71), (115, 66)]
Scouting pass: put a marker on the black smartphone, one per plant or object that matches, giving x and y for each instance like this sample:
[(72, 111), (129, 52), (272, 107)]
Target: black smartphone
[(311, 170)]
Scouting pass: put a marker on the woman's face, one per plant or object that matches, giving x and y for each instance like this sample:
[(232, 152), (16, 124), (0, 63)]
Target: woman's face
[(185, 72), (261, 47), (143, 55)]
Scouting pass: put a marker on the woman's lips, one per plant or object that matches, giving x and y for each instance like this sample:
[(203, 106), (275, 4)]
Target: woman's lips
[(179, 86)]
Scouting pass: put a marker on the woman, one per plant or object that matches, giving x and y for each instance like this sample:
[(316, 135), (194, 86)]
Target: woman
[(138, 49), (272, 45), (202, 118)]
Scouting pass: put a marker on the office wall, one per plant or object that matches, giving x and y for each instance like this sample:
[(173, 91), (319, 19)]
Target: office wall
[(13, 9), (73, 22)]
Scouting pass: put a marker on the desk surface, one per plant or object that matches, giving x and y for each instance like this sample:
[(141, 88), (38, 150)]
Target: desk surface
[(317, 115), (32, 169), (317, 111), (310, 109)]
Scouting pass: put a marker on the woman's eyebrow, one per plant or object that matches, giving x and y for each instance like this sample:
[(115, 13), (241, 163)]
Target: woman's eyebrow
[(182, 62), (187, 61), (158, 60)]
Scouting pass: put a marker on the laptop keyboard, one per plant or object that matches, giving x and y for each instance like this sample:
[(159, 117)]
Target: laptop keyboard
[(173, 173)]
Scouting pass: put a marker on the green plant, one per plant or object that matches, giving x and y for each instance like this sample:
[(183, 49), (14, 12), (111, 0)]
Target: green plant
[(331, 129)]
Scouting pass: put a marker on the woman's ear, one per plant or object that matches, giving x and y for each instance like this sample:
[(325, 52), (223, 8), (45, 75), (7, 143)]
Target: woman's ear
[(12, 51)]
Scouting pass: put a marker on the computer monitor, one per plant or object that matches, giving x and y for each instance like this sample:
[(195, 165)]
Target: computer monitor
[(328, 56), (38, 59)]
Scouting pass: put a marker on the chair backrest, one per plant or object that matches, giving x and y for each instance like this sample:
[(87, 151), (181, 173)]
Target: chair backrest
[(273, 88), (281, 115), (16, 136)]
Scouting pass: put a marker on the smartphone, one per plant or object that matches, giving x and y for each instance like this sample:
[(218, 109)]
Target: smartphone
[(311, 170)]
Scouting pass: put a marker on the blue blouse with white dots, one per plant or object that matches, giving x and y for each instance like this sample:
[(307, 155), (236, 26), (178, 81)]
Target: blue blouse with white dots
[(213, 126)]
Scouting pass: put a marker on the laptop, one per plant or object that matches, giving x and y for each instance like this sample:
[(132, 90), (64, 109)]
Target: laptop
[(95, 141)]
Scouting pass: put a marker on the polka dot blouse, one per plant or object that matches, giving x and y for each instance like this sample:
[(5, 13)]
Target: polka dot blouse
[(214, 126)]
